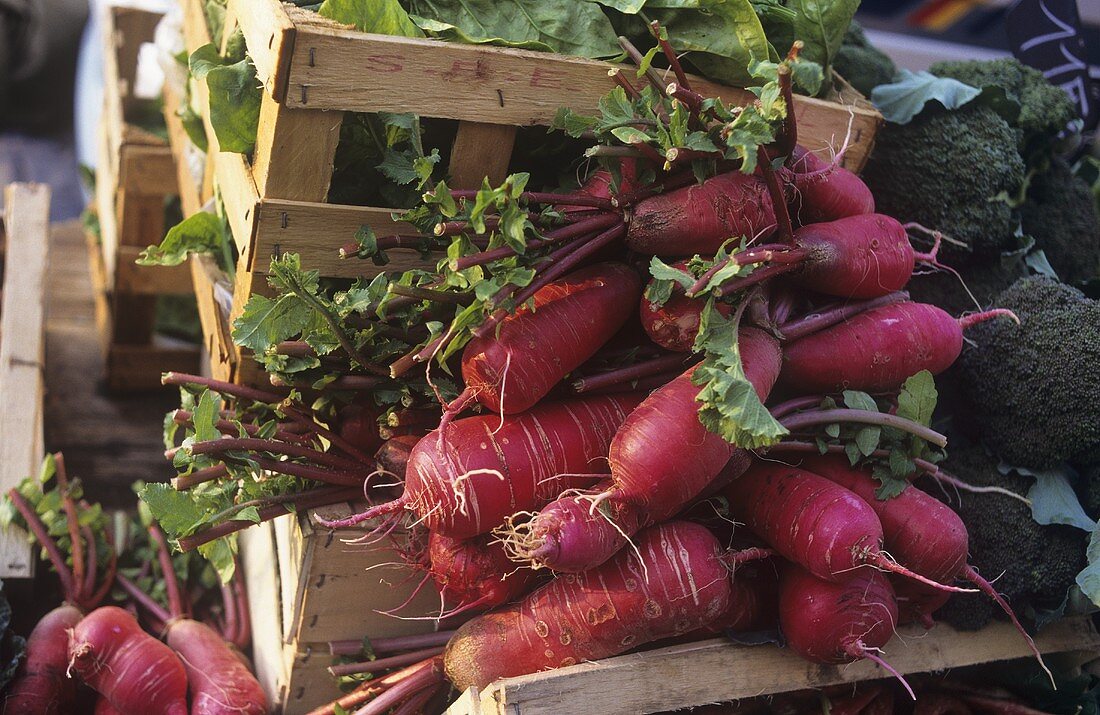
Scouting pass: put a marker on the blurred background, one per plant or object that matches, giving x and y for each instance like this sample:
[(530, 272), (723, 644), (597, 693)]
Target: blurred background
[(50, 67)]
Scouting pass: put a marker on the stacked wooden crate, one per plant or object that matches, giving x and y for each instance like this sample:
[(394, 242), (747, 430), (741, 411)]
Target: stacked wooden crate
[(135, 175)]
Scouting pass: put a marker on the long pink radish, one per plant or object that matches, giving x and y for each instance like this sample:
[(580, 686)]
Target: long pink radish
[(825, 191), (218, 680), (136, 672), (838, 622), (475, 573), (700, 218), (563, 325), (649, 483), (602, 612), (877, 350), (486, 468), (820, 525), (41, 685)]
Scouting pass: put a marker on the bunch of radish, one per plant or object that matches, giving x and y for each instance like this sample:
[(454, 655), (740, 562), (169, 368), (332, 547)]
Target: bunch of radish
[(84, 651)]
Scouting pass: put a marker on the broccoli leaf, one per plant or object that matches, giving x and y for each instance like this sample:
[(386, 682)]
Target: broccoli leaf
[(906, 97), (1053, 500), (1089, 578), (730, 406)]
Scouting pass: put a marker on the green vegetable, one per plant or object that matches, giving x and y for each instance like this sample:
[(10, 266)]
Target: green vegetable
[(1061, 215), (1036, 565), (861, 63), (953, 171), (235, 94), (907, 95), (201, 233), (1032, 388)]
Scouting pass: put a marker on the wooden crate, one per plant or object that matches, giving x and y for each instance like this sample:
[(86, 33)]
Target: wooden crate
[(135, 174), (22, 354), (307, 587), (314, 70), (716, 671)]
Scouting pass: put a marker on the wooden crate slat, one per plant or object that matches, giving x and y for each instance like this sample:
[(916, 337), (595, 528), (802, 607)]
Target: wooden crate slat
[(480, 151), (206, 276), (195, 32), (240, 199), (718, 671), (137, 368), (332, 67), (294, 152), (261, 576), (147, 170), (22, 354), (182, 152), (270, 37)]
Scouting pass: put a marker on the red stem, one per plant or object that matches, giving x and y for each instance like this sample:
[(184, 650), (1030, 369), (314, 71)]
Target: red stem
[(143, 599), (788, 136), (335, 439), (222, 387), (199, 476), (244, 619), (394, 644), (815, 322), (42, 535), (105, 586), (304, 471), (620, 79), (826, 417), (228, 627), (987, 588), (428, 675), (779, 199), (573, 230), (758, 276), (252, 444), (93, 562), (381, 664), (312, 499), (171, 584), (371, 513), (184, 417), (73, 524), (628, 374), (670, 55), (416, 703)]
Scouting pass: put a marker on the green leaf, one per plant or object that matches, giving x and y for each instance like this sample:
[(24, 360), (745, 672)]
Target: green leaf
[(1089, 578), (730, 406), (867, 440), (199, 233), (205, 417), (383, 17), (574, 28), (446, 31), (235, 95), (220, 553), (573, 124), (917, 399), (664, 272), (267, 321), (249, 513), (723, 37), (177, 512), (1053, 500), (821, 24), (630, 135), (904, 98), (859, 401)]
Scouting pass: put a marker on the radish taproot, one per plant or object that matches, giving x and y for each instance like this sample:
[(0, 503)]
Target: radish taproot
[(838, 622), (475, 573), (219, 681), (487, 468), (602, 612), (534, 348), (136, 672), (813, 522), (878, 350), (648, 483)]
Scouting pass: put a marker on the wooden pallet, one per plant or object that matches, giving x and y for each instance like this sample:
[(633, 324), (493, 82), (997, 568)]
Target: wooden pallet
[(314, 70), (717, 671), (307, 587), (135, 174), (22, 354)]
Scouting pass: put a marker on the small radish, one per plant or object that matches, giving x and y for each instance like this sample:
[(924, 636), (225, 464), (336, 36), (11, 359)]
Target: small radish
[(825, 191)]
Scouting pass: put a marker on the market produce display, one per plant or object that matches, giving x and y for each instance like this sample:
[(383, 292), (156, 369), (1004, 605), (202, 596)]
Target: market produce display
[(680, 378)]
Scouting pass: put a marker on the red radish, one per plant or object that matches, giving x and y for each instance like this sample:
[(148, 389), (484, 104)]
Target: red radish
[(877, 350), (129, 667), (648, 484), (700, 218), (103, 707), (602, 612), (754, 599), (675, 324), (534, 348), (219, 681), (599, 184), (813, 522), (488, 468), (359, 425), (825, 191), (393, 455), (41, 684), (830, 622), (476, 573), (922, 533)]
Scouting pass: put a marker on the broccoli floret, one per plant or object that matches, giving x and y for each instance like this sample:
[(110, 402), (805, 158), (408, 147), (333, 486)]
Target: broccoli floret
[(861, 63), (1045, 110), (1034, 389), (950, 170), (1061, 215), (1038, 563)]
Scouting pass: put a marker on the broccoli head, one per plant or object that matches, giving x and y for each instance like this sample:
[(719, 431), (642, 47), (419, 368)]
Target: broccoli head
[(1039, 563), (984, 280), (1034, 389), (950, 170), (1045, 110), (861, 63), (1060, 214)]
